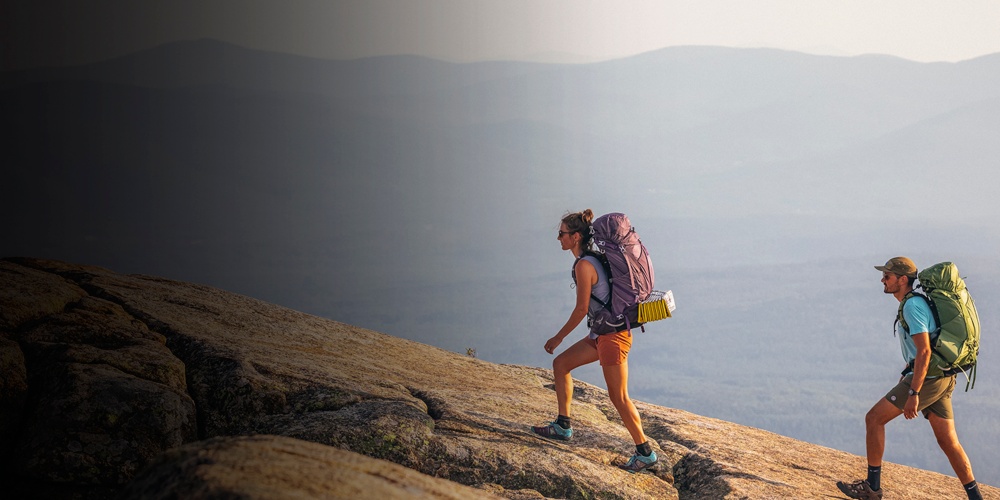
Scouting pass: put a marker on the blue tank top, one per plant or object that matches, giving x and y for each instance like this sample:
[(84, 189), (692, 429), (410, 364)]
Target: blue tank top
[(601, 289)]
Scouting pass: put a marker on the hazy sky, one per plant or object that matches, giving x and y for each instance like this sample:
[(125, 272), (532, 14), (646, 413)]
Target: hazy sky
[(40, 32)]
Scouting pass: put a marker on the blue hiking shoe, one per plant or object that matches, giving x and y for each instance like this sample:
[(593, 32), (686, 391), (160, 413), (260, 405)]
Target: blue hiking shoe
[(639, 462), (553, 431)]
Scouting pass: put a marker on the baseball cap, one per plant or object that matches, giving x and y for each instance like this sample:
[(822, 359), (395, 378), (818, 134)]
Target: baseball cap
[(902, 266)]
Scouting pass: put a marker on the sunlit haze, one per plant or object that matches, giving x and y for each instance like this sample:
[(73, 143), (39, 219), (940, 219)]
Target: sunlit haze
[(51, 34)]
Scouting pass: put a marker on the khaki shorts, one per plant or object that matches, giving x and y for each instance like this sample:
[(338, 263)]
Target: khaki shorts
[(935, 396), (612, 348)]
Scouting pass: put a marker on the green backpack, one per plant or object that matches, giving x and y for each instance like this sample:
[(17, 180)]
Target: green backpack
[(955, 343)]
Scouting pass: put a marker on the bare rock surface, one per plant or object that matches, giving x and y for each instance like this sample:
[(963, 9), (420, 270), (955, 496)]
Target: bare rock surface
[(156, 388), (264, 467)]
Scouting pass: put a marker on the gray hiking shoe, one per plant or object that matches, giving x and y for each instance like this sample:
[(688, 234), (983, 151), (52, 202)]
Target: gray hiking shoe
[(860, 489), (639, 462), (553, 431)]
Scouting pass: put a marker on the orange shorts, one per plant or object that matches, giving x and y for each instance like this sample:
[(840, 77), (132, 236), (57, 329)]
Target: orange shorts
[(612, 348)]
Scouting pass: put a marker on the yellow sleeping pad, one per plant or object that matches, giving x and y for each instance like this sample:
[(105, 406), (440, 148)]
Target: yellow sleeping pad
[(657, 306)]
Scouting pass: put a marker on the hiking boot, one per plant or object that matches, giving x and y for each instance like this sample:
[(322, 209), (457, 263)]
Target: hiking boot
[(860, 489), (553, 431), (639, 462)]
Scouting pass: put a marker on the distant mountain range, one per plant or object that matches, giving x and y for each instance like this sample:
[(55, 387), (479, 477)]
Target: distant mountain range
[(198, 144), (209, 161)]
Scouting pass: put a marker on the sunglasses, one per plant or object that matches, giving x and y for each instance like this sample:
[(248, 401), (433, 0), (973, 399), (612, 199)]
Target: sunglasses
[(563, 233)]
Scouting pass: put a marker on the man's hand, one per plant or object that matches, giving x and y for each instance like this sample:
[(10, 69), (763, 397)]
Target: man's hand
[(910, 408)]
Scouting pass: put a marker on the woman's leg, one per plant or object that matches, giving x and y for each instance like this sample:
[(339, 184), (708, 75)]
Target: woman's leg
[(616, 377), (579, 354)]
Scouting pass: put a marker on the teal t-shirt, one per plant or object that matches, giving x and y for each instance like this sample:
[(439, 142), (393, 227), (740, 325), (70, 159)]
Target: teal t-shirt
[(919, 318)]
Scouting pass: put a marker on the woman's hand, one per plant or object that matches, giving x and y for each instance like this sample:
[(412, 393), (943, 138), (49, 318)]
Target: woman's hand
[(552, 344)]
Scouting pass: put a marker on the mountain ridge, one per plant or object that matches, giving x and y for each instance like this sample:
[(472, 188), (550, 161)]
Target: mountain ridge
[(233, 367)]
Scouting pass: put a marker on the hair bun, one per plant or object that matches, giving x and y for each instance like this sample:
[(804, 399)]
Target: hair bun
[(587, 216)]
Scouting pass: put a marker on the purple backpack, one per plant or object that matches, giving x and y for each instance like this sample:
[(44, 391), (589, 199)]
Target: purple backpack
[(629, 271)]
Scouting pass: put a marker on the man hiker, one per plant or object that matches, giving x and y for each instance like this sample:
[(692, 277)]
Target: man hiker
[(917, 390)]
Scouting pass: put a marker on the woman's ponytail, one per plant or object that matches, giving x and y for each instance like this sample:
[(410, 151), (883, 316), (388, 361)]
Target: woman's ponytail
[(580, 222)]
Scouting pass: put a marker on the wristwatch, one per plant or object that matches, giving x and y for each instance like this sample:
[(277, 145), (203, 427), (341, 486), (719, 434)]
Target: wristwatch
[(913, 393)]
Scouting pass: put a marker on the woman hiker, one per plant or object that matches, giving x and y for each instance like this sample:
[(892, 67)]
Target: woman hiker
[(610, 349)]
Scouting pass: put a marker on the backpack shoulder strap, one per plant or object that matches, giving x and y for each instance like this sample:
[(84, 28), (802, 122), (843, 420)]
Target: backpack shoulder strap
[(902, 322), (934, 313), (930, 304), (600, 258), (899, 313), (607, 272)]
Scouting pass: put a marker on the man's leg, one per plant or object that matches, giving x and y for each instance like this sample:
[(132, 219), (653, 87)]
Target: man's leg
[(947, 438), (882, 413)]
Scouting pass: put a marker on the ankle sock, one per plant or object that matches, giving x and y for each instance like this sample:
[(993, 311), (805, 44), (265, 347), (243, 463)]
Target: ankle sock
[(644, 449), (875, 477), (564, 422), (972, 489)]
